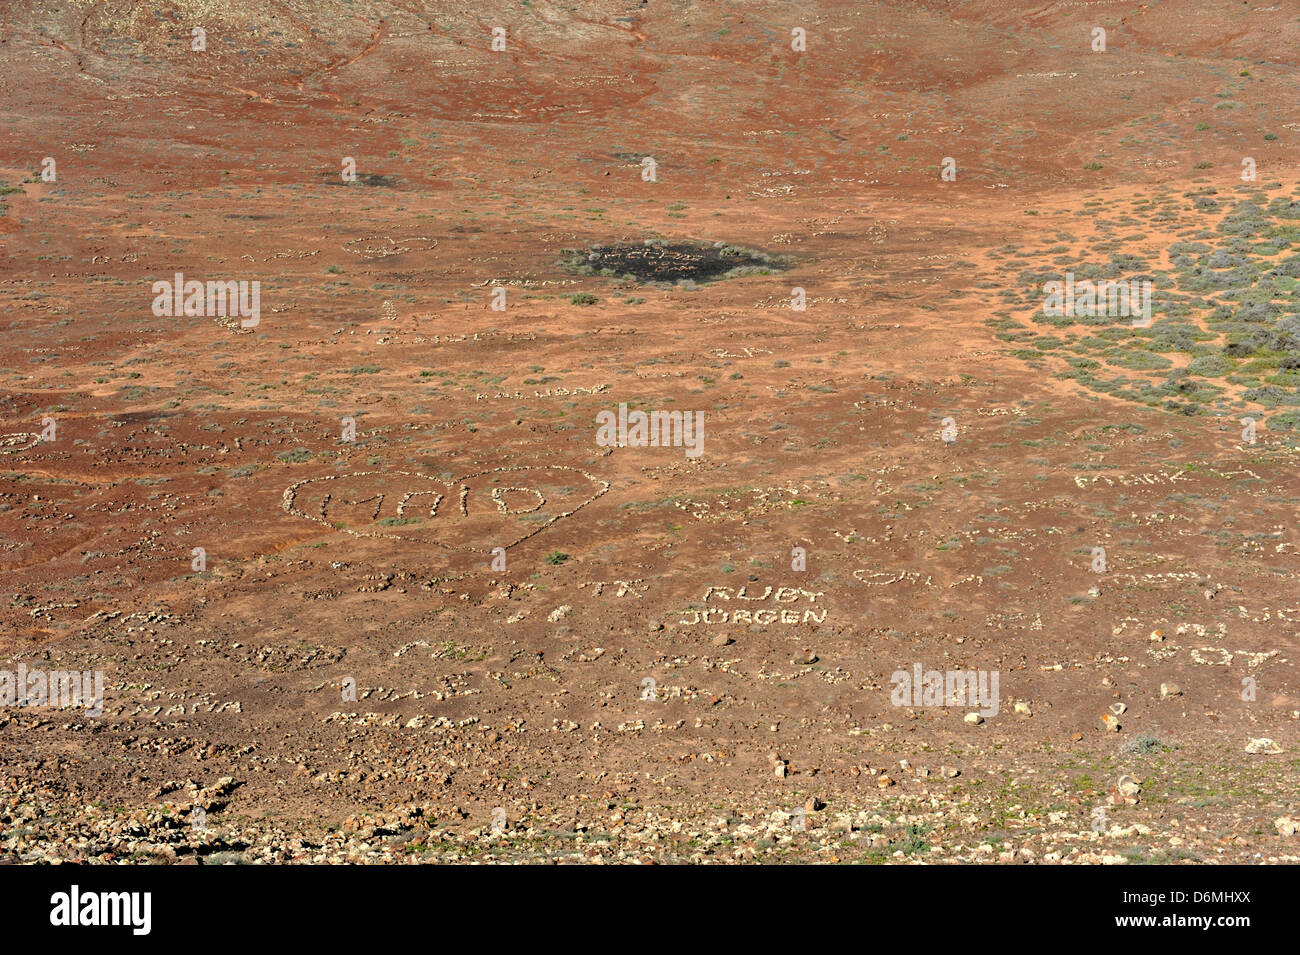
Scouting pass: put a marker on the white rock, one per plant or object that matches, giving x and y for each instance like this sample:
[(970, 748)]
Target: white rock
[(1263, 747)]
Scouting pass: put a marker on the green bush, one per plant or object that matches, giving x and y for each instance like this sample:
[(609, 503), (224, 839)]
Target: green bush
[(1210, 366)]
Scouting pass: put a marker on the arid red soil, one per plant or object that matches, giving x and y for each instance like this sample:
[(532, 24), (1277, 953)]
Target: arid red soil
[(308, 652)]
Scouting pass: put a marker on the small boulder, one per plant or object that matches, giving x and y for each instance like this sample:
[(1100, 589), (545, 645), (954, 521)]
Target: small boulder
[(1263, 747)]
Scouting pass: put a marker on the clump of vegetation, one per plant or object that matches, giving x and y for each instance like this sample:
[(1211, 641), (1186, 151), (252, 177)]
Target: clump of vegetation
[(912, 840), (1225, 329), (658, 261), (1145, 743)]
